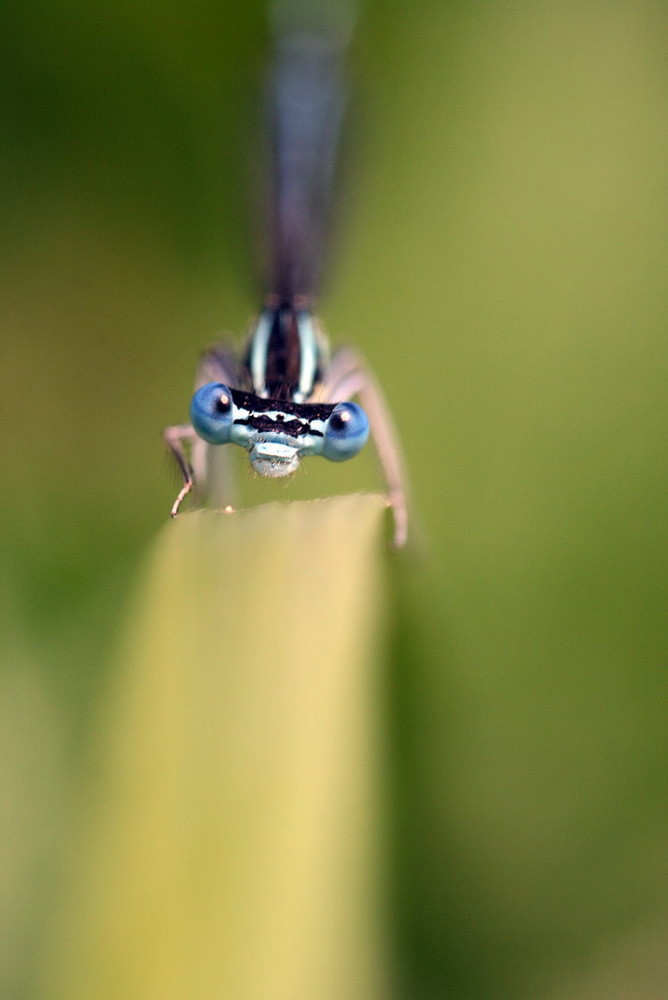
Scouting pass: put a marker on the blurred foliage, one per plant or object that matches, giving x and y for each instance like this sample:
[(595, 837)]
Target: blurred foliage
[(230, 846), (502, 263)]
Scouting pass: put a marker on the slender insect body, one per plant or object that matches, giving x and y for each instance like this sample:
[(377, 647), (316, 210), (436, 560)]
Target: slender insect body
[(287, 400)]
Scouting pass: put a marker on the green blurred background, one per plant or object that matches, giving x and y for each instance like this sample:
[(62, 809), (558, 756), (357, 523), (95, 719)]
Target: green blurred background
[(502, 262)]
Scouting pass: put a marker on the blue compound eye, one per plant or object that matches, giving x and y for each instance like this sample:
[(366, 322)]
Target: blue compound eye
[(211, 412), (346, 433)]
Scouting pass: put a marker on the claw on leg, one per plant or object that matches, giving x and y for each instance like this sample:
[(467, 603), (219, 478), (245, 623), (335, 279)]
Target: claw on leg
[(183, 493)]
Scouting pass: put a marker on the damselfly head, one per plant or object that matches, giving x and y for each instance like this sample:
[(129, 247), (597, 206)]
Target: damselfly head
[(277, 434)]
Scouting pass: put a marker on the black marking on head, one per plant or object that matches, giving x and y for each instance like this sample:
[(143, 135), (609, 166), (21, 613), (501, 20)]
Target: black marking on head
[(293, 419), (265, 424), (303, 411)]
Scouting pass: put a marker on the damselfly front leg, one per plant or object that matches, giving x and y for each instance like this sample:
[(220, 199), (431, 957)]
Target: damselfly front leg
[(185, 444), (349, 376), (175, 437)]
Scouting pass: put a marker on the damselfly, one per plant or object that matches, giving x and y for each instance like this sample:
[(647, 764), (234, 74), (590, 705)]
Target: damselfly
[(285, 398)]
